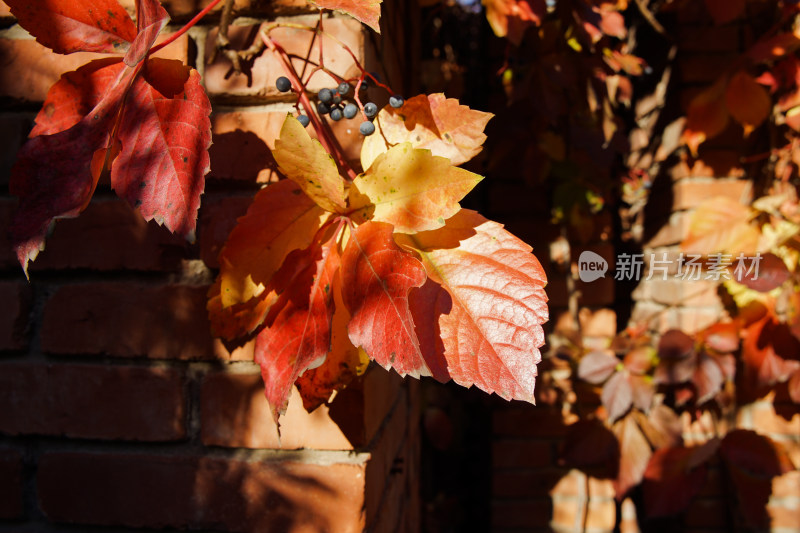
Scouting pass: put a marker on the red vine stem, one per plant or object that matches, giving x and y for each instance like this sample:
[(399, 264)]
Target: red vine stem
[(324, 135), (172, 38)]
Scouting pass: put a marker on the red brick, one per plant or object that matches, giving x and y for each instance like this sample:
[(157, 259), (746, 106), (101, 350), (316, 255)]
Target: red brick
[(674, 291), (110, 235), (524, 483), (85, 401), (14, 129), (672, 232), (128, 320), (267, 67), (570, 514), (11, 505), (179, 491), (528, 421), (525, 514), (765, 420), (507, 453), (218, 217), (234, 413), (692, 192), (784, 515), (29, 69), (787, 485), (16, 298), (573, 484)]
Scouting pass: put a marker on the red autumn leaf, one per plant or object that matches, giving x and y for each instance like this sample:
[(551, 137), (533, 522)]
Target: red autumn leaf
[(722, 337), (377, 276), (590, 445), (76, 25), (724, 11), (767, 349), (510, 18), (492, 332), (721, 224), (342, 364), (299, 336), (151, 18), (55, 175), (75, 94), (432, 122), (675, 344), (635, 453), (706, 117), (366, 11), (639, 360), (774, 47), (674, 476), (617, 395), (794, 386), (747, 101), (708, 377), (771, 273), (165, 135), (660, 426), (281, 219), (612, 23), (752, 461), (596, 367)]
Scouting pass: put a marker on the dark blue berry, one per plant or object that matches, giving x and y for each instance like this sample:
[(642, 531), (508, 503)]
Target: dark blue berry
[(336, 114), (350, 110), (344, 88), (283, 84), (337, 98), (366, 128), (370, 109), (364, 85), (323, 108), (396, 101), (325, 95), (303, 119)]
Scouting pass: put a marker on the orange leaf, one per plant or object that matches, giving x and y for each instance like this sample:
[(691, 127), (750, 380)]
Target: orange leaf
[(410, 189), (706, 117), (747, 101), (510, 18), (721, 224), (439, 124), (304, 161), (281, 219), (366, 11), (490, 310)]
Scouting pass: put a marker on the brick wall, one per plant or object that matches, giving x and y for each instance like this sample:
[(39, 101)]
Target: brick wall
[(117, 407)]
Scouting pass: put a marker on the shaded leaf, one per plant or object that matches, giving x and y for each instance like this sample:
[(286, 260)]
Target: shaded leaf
[(767, 343), (721, 224), (304, 161), (706, 117), (794, 386), (722, 337), (366, 11), (510, 18), (433, 122), (165, 136), (410, 189), (674, 476), (635, 454), (617, 395), (492, 333), (76, 25), (675, 344), (342, 364), (590, 445), (772, 273), (299, 337), (773, 47), (724, 11), (377, 276), (747, 101), (280, 219), (596, 367)]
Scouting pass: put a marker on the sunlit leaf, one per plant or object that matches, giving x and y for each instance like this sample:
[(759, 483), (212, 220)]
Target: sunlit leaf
[(491, 327), (280, 219), (433, 122), (410, 189), (151, 18), (299, 337), (721, 225), (76, 25), (377, 276), (304, 161), (510, 18), (772, 273), (767, 350), (366, 11), (635, 453), (747, 101), (617, 395), (722, 337), (597, 366)]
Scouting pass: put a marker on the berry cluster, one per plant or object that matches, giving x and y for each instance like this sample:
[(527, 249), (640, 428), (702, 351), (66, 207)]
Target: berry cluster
[(332, 102)]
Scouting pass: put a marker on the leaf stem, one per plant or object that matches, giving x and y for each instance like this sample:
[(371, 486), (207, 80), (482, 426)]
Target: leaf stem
[(172, 38)]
